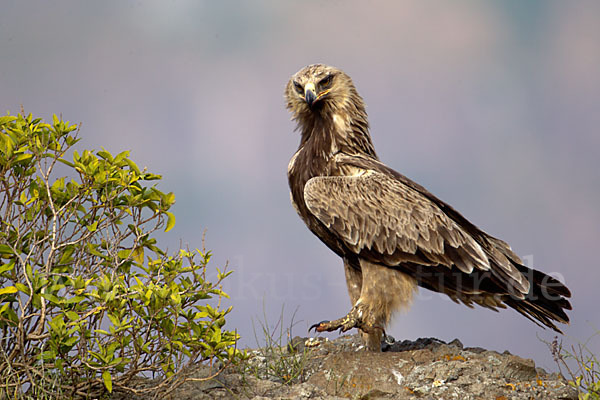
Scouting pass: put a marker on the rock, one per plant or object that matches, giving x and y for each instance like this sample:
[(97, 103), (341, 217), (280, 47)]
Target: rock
[(426, 368)]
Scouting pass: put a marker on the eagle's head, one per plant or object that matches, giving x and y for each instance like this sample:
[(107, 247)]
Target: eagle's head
[(321, 90), (328, 109)]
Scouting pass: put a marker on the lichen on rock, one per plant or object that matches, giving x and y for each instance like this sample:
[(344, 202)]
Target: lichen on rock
[(426, 368)]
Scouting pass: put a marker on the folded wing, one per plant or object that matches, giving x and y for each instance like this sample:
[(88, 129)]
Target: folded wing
[(378, 216)]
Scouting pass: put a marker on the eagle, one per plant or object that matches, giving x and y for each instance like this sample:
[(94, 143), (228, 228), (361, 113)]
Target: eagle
[(391, 233)]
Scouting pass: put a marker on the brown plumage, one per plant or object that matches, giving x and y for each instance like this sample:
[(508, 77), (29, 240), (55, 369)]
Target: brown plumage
[(392, 234)]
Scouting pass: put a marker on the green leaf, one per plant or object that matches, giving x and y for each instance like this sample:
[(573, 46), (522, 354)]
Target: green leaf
[(169, 199), (138, 255), (75, 299), (170, 221), (22, 157), (132, 166), (124, 254), (7, 267), (92, 250), (105, 155), (52, 298), (72, 315), (6, 119), (152, 177), (29, 270), (4, 249), (121, 156), (57, 324), (107, 381), (23, 197), (68, 163), (66, 255), (176, 298), (22, 287), (58, 185), (92, 227), (70, 342), (47, 355), (7, 290), (115, 320)]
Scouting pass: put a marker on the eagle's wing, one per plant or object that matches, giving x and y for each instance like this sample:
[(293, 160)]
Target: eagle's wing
[(374, 212)]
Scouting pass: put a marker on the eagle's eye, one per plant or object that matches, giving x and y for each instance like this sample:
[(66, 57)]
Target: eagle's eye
[(298, 88), (325, 82)]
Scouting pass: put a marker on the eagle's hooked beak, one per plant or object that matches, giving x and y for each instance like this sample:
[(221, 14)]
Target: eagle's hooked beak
[(309, 94)]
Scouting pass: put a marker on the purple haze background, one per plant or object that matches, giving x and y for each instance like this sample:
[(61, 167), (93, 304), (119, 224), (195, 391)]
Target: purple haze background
[(493, 106)]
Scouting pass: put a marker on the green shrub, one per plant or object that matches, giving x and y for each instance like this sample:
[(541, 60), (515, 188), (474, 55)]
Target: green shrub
[(580, 365), (87, 298)]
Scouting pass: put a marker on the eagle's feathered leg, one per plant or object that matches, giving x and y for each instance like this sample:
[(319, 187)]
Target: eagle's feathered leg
[(354, 284), (383, 290), (353, 280)]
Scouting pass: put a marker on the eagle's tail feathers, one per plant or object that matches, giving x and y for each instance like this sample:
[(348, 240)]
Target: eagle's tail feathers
[(546, 301)]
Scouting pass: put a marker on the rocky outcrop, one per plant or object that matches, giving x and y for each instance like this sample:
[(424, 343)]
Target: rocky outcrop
[(421, 369)]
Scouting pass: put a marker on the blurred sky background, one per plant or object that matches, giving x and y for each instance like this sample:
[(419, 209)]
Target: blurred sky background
[(494, 106)]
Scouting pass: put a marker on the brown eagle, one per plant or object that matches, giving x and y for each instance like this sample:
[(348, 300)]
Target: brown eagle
[(392, 234)]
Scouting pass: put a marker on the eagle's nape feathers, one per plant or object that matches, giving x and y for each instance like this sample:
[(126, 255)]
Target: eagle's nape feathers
[(391, 232)]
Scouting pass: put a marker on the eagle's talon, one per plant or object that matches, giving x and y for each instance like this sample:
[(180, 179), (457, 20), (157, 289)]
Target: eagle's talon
[(344, 324), (317, 327)]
